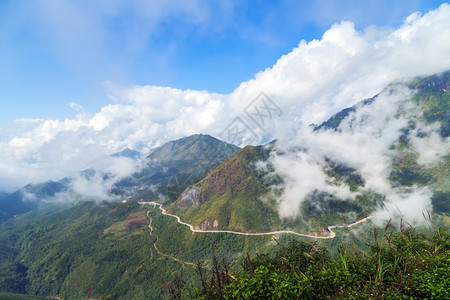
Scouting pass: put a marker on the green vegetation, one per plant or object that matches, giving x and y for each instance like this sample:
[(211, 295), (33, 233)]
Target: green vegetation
[(110, 249), (433, 100), (237, 196), (229, 194), (12, 296), (176, 165), (404, 265)]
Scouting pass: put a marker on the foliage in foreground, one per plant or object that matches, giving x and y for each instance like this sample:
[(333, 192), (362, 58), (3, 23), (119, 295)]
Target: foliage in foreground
[(404, 265)]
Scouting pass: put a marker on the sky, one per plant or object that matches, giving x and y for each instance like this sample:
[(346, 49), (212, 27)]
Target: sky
[(81, 80), (53, 53)]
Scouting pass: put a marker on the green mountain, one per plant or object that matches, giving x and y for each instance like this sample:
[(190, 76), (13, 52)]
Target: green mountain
[(336, 119), (433, 99), (228, 197), (27, 198), (432, 95), (195, 147), (236, 196), (177, 164), (132, 251)]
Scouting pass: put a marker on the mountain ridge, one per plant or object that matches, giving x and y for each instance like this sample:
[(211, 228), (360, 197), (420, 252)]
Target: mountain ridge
[(110, 248), (214, 203)]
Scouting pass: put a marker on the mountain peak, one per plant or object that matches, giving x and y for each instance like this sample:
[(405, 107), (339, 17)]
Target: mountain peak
[(127, 152), (194, 147)]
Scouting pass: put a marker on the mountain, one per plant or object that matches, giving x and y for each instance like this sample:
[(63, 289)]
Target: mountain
[(237, 196), (170, 168), (176, 164), (15, 203), (28, 198), (228, 197), (127, 152), (433, 98), (4, 215), (192, 148), (334, 122), (133, 251)]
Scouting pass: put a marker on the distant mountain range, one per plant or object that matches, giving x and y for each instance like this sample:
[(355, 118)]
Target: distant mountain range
[(127, 152), (128, 249), (167, 171), (211, 182), (175, 165), (230, 196), (28, 197)]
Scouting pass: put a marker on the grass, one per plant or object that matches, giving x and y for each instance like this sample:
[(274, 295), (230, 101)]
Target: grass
[(402, 265)]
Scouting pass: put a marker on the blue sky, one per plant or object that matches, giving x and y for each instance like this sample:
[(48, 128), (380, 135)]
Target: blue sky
[(56, 52), (80, 80)]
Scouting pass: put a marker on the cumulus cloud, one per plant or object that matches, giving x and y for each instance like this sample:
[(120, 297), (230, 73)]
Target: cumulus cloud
[(309, 84), (324, 76)]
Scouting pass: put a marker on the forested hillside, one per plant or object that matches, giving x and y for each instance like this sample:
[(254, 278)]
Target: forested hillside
[(129, 249)]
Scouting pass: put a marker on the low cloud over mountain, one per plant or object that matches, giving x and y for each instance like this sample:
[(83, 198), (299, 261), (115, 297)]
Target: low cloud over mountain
[(315, 80)]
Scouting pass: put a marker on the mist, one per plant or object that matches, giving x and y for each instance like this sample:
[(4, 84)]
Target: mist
[(366, 142), (315, 80)]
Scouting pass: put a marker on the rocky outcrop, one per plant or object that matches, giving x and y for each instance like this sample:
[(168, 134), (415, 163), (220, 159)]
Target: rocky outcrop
[(208, 225), (188, 197)]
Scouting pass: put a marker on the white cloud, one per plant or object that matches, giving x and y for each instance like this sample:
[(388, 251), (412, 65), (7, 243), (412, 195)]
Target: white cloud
[(411, 206), (430, 148), (76, 106), (362, 143), (315, 80)]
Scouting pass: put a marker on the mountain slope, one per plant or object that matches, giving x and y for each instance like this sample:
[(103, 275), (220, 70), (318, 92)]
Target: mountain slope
[(228, 197), (194, 147), (108, 248), (236, 196), (176, 164), (27, 198)]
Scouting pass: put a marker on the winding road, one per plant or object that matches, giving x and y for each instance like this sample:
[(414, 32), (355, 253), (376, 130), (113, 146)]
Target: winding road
[(329, 228), (163, 254)]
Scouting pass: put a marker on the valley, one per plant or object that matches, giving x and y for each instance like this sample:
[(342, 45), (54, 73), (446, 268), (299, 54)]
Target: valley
[(212, 150), (185, 208)]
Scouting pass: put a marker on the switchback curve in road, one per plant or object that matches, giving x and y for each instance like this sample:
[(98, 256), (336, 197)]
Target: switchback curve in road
[(191, 227)]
